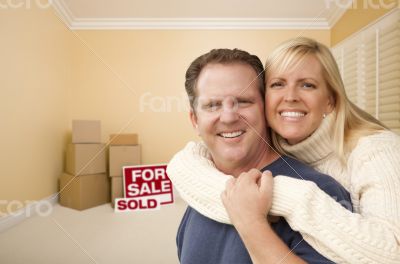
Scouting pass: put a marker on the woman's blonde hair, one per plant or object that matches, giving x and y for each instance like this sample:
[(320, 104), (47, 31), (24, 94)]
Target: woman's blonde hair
[(351, 122)]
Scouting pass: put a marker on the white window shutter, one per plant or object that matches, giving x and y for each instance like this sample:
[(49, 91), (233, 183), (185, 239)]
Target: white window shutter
[(338, 54), (389, 76), (370, 67), (350, 56), (370, 72)]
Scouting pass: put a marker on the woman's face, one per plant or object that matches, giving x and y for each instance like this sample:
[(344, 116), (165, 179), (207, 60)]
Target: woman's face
[(296, 100)]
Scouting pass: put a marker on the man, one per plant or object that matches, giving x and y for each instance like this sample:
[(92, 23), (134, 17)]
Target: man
[(226, 91)]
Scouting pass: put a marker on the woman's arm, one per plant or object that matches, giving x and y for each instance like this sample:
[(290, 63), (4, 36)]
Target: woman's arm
[(372, 235), (198, 182)]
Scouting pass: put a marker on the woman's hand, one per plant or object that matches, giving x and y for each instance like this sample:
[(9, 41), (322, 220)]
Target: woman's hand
[(248, 198)]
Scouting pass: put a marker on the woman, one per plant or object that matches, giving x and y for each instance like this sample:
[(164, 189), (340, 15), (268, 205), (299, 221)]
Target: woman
[(313, 120)]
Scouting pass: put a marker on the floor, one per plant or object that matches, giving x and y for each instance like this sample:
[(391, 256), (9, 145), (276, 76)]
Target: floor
[(97, 235)]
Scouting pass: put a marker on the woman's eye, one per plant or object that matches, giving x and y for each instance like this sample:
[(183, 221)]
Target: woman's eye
[(276, 85), (309, 85)]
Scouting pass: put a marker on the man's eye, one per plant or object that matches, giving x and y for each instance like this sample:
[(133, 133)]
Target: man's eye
[(244, 102), (212, 106)]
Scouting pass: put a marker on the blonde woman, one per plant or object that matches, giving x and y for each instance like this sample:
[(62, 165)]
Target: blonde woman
[(312, 120)]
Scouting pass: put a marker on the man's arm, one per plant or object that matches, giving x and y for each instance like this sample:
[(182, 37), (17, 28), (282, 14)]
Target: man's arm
[(246, 199), (264, 245)]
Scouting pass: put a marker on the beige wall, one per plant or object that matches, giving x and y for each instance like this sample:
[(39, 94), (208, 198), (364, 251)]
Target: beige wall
[(358, 16), (51, 75), (35, 77), (131, 80), (151, 65)]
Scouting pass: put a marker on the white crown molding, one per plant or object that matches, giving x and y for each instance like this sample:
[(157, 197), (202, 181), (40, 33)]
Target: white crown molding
[(198, 23), (75, 23)]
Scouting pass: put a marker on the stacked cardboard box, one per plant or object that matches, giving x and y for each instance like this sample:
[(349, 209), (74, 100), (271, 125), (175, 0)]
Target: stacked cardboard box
[(124, 151), (85, 183)]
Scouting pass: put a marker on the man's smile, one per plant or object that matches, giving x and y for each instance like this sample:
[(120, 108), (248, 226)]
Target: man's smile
[(233, 134)]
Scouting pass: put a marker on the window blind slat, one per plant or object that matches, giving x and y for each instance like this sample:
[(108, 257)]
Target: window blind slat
[(392, 90), (391, 99), (390, 107)]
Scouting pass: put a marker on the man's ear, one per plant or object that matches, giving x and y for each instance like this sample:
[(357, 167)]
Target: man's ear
[(193, 119)]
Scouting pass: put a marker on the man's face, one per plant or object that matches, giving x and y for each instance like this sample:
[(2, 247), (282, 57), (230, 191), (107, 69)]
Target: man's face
[(229, 114)]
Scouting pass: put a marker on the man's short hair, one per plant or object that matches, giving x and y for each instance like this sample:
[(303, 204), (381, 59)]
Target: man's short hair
[(223, 56)]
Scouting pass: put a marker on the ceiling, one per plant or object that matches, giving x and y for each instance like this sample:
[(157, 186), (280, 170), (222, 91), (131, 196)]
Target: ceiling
[(205, 14)]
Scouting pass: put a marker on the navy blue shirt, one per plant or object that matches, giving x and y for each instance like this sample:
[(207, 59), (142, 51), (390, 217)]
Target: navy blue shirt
[(201, 240)]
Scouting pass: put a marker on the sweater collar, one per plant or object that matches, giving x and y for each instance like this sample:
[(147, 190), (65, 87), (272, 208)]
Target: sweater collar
[(314, 148)]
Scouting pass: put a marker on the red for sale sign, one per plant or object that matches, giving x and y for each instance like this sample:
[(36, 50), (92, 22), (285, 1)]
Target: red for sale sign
[(146, 187)]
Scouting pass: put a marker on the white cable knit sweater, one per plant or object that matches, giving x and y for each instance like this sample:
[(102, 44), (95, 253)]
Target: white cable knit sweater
[(372, 175)]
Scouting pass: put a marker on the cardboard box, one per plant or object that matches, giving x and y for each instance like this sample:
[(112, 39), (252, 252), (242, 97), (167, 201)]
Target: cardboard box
[(123, 139), (86, 159), (86, 131), (84, 191), (116, 189), (123, 156)]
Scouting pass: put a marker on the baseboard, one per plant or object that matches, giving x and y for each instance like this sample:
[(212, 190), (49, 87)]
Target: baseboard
[(28, 211)]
